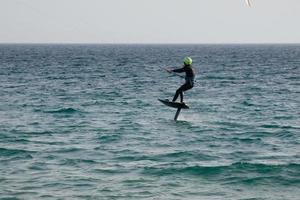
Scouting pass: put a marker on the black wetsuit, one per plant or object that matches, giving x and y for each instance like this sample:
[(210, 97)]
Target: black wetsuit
[(189, 81)]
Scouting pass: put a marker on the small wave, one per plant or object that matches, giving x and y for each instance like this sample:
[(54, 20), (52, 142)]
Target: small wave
[(76, 162), (15, 152), (38, 133), (219, 77), (191, 170), (111, 171), (284, 117), (106, 138), (275, 126), (246, 103), (234, 168), (21, 132), (181, 156), (63, 110), (232, 124), (68, 150), (270, 126), (247, 140)]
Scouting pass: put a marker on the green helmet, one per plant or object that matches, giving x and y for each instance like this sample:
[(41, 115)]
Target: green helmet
[(187, 61)]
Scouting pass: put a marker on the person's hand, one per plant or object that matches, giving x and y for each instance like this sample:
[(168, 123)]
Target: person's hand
[(169, 70)]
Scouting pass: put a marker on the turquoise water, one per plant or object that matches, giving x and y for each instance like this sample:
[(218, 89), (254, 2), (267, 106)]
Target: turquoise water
[(83, 122)]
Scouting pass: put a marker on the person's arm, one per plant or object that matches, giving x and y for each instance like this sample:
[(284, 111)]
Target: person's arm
[(180, 70)]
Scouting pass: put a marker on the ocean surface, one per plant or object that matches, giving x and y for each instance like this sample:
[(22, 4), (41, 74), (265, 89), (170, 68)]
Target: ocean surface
[(84, 122)]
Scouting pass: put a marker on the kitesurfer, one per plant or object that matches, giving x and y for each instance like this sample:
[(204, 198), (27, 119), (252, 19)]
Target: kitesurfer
[(189, 78)]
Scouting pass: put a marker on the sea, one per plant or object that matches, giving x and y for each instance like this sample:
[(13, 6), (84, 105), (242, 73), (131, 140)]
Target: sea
[(83, 121)]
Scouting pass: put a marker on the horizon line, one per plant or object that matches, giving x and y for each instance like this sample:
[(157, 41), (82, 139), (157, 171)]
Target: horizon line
[(147, 43)]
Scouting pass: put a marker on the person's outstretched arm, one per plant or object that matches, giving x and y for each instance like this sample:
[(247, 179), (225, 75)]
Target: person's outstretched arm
[(180, 70)]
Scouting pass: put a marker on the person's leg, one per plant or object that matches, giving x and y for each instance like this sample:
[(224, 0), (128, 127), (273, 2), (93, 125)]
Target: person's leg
[(181, 96), (183, 88), (176, 95), (180, 90)]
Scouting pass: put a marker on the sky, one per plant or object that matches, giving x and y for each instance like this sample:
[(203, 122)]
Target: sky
[(149, 21)]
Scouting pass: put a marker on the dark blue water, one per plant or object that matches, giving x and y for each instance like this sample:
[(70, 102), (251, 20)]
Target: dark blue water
[(83, 122)]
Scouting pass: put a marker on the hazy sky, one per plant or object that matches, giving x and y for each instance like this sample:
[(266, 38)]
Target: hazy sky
[(149, 21)]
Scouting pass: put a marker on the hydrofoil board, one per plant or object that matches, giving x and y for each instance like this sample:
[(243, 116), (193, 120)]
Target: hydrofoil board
[(174, 104)]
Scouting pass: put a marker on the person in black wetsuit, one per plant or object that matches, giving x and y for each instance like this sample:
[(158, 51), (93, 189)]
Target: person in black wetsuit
[(189, 78)]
